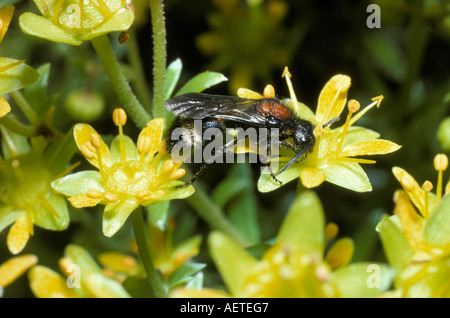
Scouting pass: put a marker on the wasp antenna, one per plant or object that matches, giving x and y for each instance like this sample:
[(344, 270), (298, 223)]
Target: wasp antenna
[(294, 159), (331, 121)]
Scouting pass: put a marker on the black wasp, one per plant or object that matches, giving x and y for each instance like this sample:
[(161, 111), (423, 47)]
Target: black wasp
[(220, 111)]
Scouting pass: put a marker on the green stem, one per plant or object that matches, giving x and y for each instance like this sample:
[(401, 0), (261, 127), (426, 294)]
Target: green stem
[(138, 80), (159, 57), (213, 215), (25, 106), (119, 82), (141, 239), (15, 126)]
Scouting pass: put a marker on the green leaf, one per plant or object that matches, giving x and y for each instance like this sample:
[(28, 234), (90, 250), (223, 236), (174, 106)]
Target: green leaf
[(39, 26), (201, 82), (396, 247), (437, 228), (362, 280), (232, 261), (36, 94), (15, 75), (138, 287), (303, 227), (184, 273), (348, 175), (158, 213), (53, 215), (172, 76)]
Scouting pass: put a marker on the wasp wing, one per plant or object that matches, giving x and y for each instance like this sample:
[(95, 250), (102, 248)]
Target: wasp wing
[(200, 106)]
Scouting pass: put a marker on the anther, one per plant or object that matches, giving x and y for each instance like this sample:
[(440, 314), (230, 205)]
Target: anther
[(143, 144), (177, 174), (440, 162), (318, 131), (87, 153), (111, 197), (94, 194), (143, 195), (331, 231), (269, 91), (168, 166), (353, 106), (119, 117), (427, 186), (95, 141), (407, 181)]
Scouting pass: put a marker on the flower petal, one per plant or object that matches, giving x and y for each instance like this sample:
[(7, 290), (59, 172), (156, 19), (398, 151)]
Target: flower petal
[(412, 224), (357, 134), (303, 228), (362, 280), (370, 147), (46, 283), (6, 14), (119, 262), (396, 247), (130, 148), (116, 214), (340, 253), (151, 134), (81, 200), (52, 213), (79, 182), (39, 26), (92, 278), (82, 134), (15, 75), (19, 234), (437, 229), (234, 263), (312, 177), (8, 217), (14, 267), (4, 107), (332, 98), (121, 21), (267, 184), (348, 175)]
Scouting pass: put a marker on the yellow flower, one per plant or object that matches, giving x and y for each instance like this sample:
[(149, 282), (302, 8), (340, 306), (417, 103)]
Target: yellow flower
[(335, 155), (14, 267), (296, 265), (128, 175), (416, 238), (84, 278), (75, 21), (27, 199), (14, 74)]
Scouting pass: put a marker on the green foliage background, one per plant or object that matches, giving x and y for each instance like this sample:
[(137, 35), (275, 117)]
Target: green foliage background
[(406, 60)]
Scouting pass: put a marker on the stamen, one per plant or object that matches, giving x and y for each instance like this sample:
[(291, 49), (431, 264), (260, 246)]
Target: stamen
[(7, 67), (87, 153), (95, 142), (120, 119), (288, 76), (331, 231), (427, 187), (376, 102), (353, 106), (143, 196), (168, 166), (111, 197), (440, 164), (269, 91), (318, 131), (94, 194), (177, 174), (143, 146)]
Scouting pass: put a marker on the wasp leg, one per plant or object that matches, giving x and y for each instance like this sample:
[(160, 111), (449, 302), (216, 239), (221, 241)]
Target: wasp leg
[(206, 165), (269, 153)]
